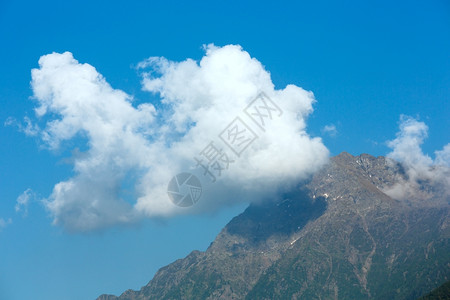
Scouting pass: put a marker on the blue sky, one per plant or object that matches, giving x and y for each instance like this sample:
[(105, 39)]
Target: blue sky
[(366, 63)]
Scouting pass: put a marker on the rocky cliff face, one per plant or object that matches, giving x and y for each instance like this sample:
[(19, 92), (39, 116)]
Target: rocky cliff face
[(339, 236)]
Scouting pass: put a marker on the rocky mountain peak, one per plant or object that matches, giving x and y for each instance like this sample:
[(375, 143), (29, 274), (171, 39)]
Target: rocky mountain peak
[(336, 236)]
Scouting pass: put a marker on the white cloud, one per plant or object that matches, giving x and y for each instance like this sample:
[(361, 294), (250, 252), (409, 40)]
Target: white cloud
[(80, 103), (27, 127), (406, 149), (23, 200), (331, 130), (443, 156), (141, 148), (407, 146), (4, 223)]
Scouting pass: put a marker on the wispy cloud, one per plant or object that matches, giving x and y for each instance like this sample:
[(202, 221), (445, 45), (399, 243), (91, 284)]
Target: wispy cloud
[(4, 223), (330, 129), (26, 127), (148, 146), (22, 202)]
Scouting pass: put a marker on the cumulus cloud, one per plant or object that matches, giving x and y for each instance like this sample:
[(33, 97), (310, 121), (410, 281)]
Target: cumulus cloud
[(80, 103), (443, 156), (22, 202), (419, 167), (140, 148)]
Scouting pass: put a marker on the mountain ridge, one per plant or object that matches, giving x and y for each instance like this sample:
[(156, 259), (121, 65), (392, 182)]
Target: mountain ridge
[(333, 237)]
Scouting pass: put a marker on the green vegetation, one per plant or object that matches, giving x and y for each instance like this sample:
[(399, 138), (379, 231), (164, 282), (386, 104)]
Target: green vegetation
[(440, 293)]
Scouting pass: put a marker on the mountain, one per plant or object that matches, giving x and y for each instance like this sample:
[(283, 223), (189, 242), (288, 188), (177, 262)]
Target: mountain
[(338, 236), (440, 293)]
